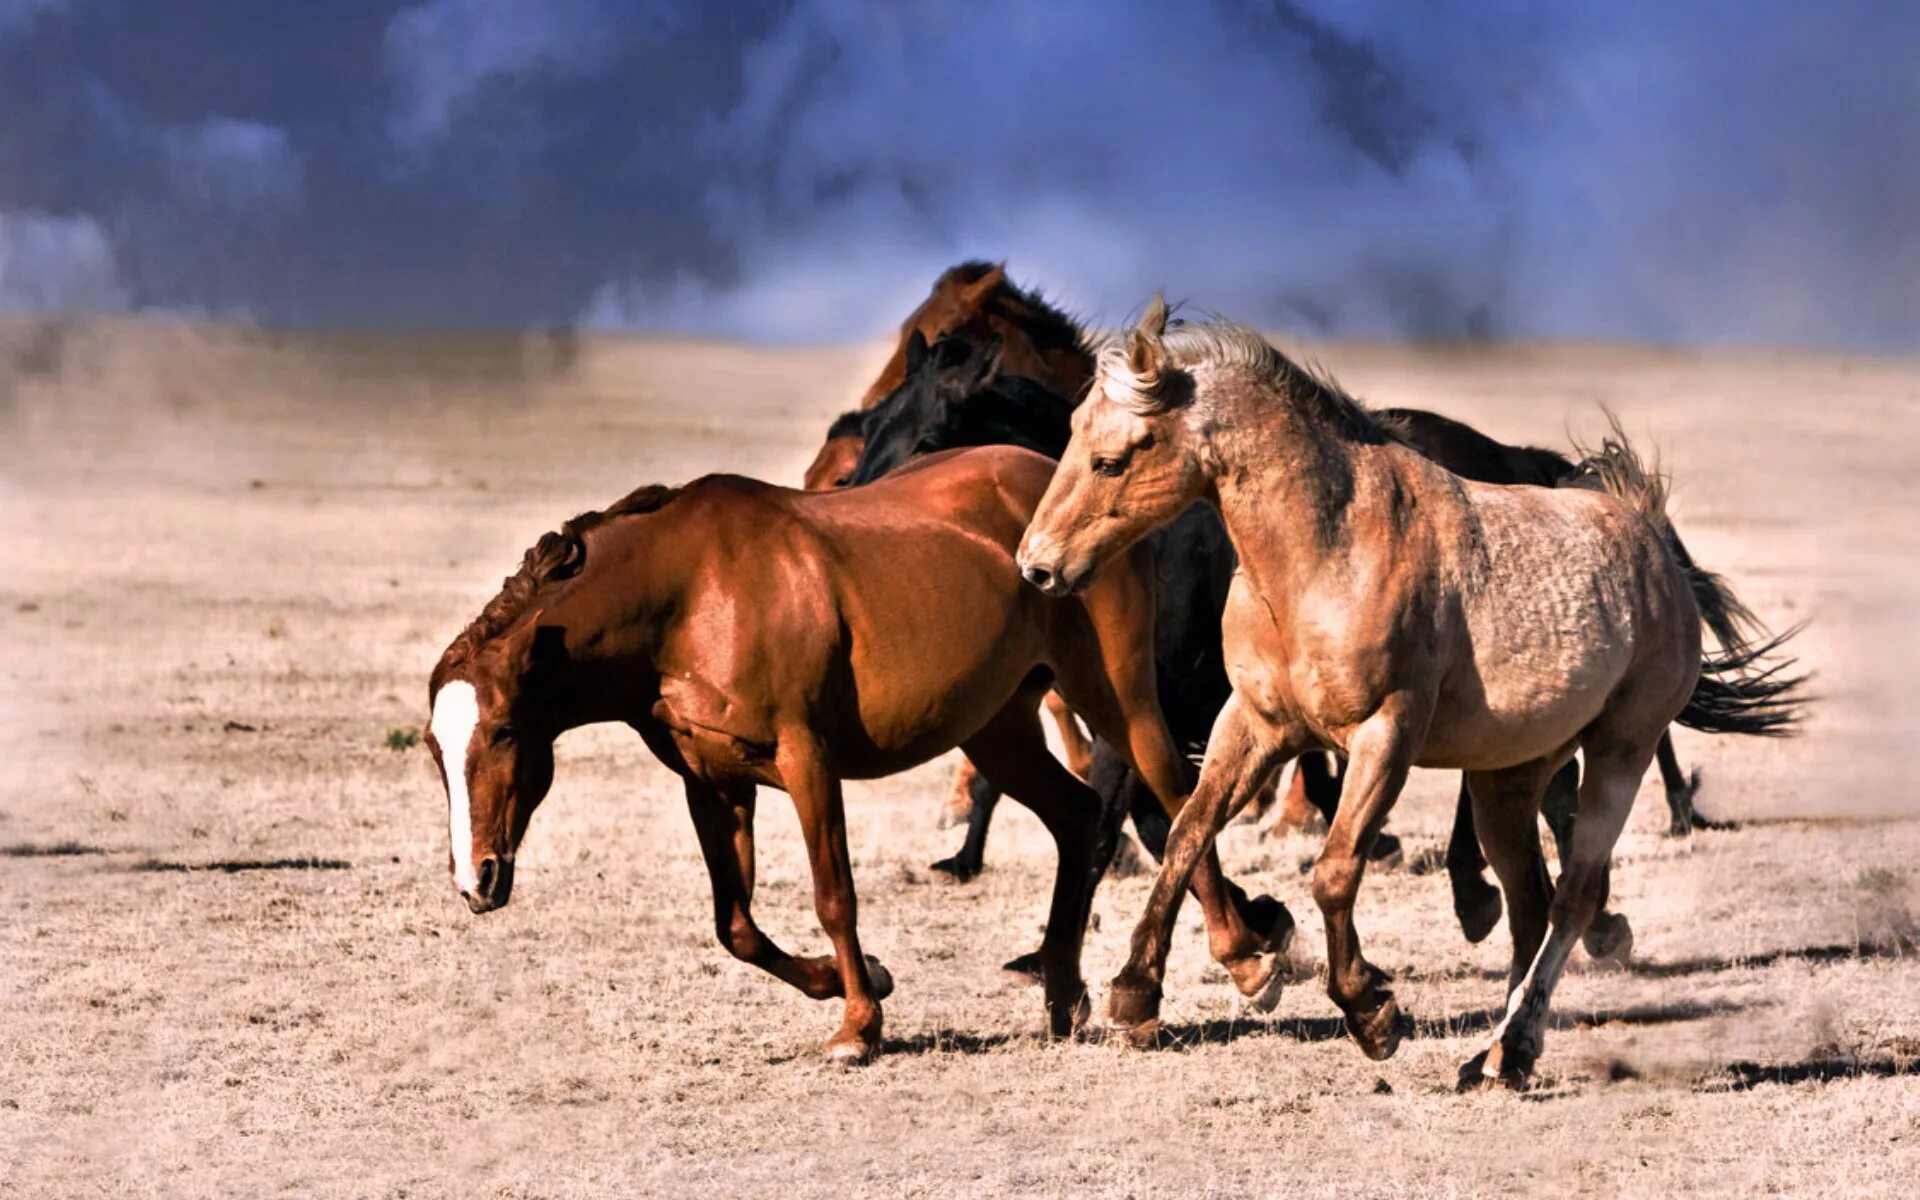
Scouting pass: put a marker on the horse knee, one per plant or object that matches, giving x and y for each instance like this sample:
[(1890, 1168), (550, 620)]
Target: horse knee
[(740, 935), (1335, 880), (834, 908)]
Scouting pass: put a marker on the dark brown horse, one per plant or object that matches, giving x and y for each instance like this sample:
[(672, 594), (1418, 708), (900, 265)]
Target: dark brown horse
[(1389, 610), (755, 635), (974, 301)]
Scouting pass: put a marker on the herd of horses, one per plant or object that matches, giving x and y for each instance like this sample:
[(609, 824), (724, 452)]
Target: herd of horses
[(1197, 548)]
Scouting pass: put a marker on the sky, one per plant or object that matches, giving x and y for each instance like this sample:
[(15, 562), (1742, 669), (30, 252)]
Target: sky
[(1702, 173)]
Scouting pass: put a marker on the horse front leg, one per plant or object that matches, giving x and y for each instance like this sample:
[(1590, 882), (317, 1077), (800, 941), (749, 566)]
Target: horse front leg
[(723, 821), (1379, 754), (823, 823), (1241, 757)]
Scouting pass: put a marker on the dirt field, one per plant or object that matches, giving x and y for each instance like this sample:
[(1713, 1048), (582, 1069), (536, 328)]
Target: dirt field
[(232, 963)]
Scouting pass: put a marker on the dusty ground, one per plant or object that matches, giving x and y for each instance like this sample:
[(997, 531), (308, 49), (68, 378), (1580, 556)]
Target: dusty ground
[(231, 962)]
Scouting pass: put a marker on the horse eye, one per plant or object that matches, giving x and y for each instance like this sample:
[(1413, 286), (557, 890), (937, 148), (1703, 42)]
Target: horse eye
[(502, 735), (1109, 467)]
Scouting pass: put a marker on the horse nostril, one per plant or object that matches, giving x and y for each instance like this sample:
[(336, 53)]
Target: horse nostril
[(489, 871), (1039, 577)]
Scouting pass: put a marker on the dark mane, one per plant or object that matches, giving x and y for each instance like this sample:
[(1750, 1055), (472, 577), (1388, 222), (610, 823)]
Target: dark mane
[(1048, 324), (555, 558), (1319, 392), (848, 424)]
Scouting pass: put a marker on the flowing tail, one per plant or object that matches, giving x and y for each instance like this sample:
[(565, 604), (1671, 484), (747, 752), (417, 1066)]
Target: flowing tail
[(1748, 686)]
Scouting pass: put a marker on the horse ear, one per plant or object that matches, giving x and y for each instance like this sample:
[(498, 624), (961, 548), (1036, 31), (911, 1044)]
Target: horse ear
[(985, 286), (916, 350), (1145, 352)]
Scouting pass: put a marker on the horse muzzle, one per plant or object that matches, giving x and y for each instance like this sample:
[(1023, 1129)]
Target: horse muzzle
[(494, 886), (1048, 572)]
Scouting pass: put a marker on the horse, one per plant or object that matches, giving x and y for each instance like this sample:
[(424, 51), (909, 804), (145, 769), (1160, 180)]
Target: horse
[(1391, 611), (1773, 708), (976, 301), (760, 636)]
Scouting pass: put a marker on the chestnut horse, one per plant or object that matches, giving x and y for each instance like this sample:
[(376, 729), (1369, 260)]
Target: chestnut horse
[(755, 635), (975, 302), (1387, 609)]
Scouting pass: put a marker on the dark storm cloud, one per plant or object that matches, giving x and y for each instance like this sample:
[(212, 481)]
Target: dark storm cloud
[(1698, 173)]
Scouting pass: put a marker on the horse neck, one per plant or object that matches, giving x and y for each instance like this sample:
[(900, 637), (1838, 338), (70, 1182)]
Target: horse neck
[(1283, 484), (615, 620)]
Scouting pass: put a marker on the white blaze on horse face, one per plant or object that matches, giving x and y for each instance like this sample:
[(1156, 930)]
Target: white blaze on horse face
[(456, 710)]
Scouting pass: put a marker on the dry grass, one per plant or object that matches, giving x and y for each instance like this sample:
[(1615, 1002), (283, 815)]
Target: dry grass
[(231, 962)]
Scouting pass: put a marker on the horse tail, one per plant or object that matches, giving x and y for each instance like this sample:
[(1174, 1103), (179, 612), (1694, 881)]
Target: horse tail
[(1747, 687)]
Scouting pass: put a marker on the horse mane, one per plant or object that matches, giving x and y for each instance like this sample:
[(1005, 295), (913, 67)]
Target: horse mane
[(555, 558), (851, 423), (1222, 345), (1042, 319)]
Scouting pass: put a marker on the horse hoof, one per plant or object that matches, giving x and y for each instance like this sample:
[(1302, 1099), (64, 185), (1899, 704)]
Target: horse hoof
[(1142, 1036), (1378, 1032), (1271, 920), (1132, 1005), (1064, 1020), (850, 1053), (1027, 964), (1609, 939), (958, 868), (1478, 917), (879, 977), (1474, 1076), (1386, 852), (1486, 1071), (1260, 978)]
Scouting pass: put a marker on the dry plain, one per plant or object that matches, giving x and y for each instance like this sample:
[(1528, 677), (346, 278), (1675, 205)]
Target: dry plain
[(231, 961)]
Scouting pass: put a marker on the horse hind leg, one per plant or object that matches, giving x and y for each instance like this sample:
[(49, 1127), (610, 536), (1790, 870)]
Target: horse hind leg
[(980, 797), (1476, 903), (1681, 787), (1613, 772), (1014, 751), (1505, 805), (1610, 937)]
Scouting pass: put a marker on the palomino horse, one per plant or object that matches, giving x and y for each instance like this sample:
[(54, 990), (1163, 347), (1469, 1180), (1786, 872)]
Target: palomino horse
[(1771, 705), (755, 635), (1392, 611)]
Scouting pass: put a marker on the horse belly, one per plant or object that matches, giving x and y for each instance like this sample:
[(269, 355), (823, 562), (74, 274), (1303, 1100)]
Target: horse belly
[(1551, 631), (938, 658)]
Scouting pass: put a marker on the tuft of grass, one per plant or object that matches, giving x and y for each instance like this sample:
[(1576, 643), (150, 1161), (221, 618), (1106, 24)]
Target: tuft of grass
[(1880, 882), (402, 738)]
